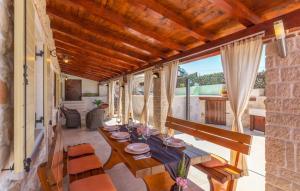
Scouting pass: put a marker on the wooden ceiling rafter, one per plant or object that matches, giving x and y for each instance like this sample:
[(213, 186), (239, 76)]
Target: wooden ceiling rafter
[(94, 70), (83, 75), (158, 7), (75, 41), (94, 62), (87, 71), (101, 41), (64, 45), (239, 11), (97, 29), (113, 17), (72, 50), (290, 20)]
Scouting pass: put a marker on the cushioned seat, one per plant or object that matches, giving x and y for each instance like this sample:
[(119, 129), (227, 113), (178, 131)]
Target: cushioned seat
[(83, 164), (101, 182), (79, 150)]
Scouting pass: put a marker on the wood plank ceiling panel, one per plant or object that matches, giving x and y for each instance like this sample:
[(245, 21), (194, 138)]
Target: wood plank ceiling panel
[(104, 39)]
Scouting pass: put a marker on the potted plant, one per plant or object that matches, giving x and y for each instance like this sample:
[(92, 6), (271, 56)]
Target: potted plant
[(97, 102)]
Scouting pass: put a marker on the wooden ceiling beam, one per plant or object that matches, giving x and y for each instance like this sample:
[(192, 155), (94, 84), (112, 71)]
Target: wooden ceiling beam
[(93, 37), (103, 64), (290, 20), (75, 64), (238, 10), (77, 51), (93, 64), (86, 71), (82, 75), (94, 48), (158, 7), (67, 46), (100, 30), (96, 9)]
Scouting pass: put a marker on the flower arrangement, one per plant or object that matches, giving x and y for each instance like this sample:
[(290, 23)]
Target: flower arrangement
[(97, 102), (181, 179)]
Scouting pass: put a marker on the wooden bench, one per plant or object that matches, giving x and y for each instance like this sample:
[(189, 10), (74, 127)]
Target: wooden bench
[(51, 172), (221, 175)]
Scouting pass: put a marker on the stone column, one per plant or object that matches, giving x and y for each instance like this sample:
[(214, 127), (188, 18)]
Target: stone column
[(160, 102), (6, 80), (283, 117)]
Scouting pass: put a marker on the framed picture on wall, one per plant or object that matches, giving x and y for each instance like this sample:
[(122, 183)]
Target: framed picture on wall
[(73, 90)]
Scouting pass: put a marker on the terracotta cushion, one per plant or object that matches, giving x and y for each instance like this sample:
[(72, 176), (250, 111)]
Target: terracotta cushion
[(104, 106), (83, 164), (215, 161), (82, 149), (101, 182)]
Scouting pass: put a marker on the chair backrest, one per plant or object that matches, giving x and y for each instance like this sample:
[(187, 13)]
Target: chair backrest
[(233, 140), (54, 167)]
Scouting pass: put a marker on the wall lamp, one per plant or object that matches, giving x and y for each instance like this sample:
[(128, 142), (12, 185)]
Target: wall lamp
[(66, 59), (280, 38), (53, 53), (155, 75)]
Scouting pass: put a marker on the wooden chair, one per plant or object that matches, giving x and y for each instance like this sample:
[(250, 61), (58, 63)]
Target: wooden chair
[(51, 172), (221, 175)]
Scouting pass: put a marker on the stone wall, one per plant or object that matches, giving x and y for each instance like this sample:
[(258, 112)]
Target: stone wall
[(6, 81), (283, 117)]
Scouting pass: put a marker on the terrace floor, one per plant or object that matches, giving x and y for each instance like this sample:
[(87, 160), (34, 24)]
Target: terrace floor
[(125, 181)]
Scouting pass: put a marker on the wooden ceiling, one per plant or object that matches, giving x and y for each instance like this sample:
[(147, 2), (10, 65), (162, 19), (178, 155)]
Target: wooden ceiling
[(108, 38)]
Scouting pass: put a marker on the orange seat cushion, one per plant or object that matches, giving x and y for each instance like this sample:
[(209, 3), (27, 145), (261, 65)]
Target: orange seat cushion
[(215, 161), (101, 182), (82, 149), (83, 164)]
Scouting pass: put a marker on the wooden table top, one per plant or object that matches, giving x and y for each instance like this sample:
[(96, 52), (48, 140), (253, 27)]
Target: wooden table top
[(149, 166)]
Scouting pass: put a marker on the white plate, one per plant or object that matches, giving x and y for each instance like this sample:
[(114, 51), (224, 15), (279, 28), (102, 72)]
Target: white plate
[(135, 152), (111, 128), (138, 147), (173, 142), (154, 131), (120, 135)]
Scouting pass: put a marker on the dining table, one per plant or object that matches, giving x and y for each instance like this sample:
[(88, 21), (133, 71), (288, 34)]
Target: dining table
[(151, 170)]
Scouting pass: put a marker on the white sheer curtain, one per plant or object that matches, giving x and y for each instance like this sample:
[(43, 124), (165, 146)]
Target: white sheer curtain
[(120, 99), (240, 62), (130, 89), (111, 95), (148, 80), (171, 71)]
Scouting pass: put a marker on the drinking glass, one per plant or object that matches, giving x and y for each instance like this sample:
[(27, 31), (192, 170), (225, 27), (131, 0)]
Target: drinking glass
[(129, 129), (118, 121), (165, 136), (146, 134)]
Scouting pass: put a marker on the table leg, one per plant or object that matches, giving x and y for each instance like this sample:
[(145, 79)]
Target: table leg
[(161, 182), (114, 159)]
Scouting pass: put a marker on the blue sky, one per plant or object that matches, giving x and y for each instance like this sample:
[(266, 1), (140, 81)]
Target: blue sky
[(213, 65)]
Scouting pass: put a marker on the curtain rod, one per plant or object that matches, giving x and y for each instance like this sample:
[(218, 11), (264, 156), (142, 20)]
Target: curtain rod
[(203, 51)]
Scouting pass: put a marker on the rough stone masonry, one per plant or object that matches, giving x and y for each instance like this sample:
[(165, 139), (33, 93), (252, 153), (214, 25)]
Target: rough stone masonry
[(283, 117), (6, 80)]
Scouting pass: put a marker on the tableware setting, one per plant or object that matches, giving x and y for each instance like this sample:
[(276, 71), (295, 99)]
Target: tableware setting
[(137, 148), (120, 135), (174, 142), (142, 156), (111, 128)]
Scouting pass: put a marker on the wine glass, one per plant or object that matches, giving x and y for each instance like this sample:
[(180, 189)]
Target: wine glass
[(165, 136), (129, 129), (146, 134), (118, 121)]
